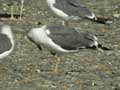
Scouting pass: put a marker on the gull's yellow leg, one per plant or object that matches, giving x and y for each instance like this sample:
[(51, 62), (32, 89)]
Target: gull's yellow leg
[(12, 12), (65, 23), (56, 65), (104, 29), (21, 9)]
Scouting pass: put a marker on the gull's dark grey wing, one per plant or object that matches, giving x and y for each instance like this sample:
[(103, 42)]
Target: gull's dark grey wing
[(5, 44), (76, 3), (69, 38), (87, 39), (73, 8)]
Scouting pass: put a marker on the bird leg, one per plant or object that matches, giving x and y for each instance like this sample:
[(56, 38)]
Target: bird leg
[(12, 12), (104, 29), (65, 23), (21, 9), (56, 65)]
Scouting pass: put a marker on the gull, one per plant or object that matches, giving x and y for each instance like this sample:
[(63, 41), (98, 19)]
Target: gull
[(74, 10), (60, 39)]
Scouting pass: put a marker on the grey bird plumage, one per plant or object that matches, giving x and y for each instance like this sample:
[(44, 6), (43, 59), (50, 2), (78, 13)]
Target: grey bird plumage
[(74, 10), (6, 41), (63, 39), (69, 38)]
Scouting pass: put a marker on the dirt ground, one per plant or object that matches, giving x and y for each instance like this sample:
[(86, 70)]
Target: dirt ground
[(28, 68)]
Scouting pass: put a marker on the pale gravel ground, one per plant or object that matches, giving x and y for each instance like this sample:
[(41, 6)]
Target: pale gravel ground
[(28, 68)]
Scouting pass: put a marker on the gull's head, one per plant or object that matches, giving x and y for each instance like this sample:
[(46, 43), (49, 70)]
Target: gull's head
[(35, 33), (51, 2)]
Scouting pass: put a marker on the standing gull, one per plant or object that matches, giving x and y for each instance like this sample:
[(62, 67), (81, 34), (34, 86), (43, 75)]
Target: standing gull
[(6, 41), (74, 10), (60, 39)]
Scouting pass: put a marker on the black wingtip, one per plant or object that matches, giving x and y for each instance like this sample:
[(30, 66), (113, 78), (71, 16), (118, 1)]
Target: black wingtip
[(103, 47), (103, 20), (100, 46)]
